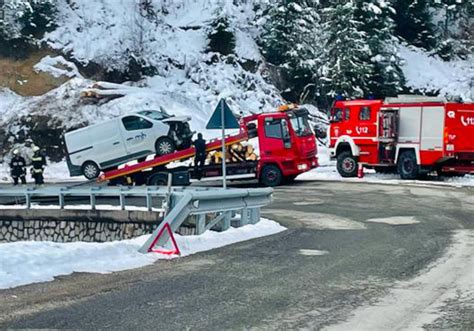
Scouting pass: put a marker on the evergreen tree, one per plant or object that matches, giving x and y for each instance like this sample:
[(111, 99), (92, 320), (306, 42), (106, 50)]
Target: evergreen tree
[(221, 37), (455, 37), (346, 71), (290, 41), (387, 78), (36, 18), (414, 22)]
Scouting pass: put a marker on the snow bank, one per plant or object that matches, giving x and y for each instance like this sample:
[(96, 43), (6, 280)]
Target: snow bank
[(430, 73), (32, 262), (57, 67), (396, 220)]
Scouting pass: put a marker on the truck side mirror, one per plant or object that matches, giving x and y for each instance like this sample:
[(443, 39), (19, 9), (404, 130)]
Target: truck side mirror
[(320, 133)]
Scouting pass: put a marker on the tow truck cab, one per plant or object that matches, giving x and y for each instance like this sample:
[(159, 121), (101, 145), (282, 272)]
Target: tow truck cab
[(287, 145)]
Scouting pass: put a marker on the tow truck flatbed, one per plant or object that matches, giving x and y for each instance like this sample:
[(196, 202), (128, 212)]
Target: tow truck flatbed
[(164, 160)]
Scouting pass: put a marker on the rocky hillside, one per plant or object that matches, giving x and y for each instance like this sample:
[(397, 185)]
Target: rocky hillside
[(184, 55)]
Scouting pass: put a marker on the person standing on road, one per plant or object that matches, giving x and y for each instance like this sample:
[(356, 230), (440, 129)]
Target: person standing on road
[(200, 156), (38, 162), (18, 168)]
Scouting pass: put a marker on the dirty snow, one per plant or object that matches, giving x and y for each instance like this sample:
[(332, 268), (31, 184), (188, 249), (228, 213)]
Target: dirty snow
[(32, 262), (417, 302), (312, 252), (396, 220)]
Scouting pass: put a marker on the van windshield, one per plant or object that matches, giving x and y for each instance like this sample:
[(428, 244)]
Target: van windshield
[(154, 114)]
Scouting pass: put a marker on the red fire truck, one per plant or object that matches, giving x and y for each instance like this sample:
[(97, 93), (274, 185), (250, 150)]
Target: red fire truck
[(284, 141), (413, 135)]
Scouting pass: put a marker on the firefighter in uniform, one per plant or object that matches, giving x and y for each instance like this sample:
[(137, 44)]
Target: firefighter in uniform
[(200, 156), (18, 168), (38, 163)]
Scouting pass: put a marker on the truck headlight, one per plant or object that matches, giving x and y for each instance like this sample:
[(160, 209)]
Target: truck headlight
[(302, 166), (450, 147)]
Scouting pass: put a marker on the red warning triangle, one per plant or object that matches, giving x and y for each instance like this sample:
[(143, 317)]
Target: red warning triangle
[(161, 250)]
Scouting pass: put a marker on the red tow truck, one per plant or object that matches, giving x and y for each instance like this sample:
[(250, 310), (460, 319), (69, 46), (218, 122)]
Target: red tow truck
[(411, 135), (284, 141)]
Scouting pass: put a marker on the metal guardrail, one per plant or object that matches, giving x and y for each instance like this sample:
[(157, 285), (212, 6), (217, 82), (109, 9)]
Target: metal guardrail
[(207, 207), (60, 193), (210, 208)]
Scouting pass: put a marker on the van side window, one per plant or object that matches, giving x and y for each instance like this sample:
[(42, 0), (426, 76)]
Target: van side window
[(364, 114), (132, 123), (273, 129), (347, 114)]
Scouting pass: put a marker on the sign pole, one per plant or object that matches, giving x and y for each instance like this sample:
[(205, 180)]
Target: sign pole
[(224, 175)]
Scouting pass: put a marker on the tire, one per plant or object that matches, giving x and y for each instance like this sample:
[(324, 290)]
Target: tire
[(407, 166), (164, 146), (347, 164), (271, 176), (90, 170), (158, 179)]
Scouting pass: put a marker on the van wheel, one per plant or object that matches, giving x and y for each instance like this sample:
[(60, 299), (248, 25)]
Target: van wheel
[(271, 176), (407, 165), (90, 170), (165, 146), (346, 164)]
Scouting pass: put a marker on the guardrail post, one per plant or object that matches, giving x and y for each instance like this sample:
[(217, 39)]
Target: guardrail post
[(254, 215), (226, 221), (244, 217), (61, 200), (122, 201), (149, 204), (200, 224), (28, 200), (92, 198)]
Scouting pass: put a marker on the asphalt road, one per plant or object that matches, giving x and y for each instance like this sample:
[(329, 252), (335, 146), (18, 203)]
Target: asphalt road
[(276, 282)]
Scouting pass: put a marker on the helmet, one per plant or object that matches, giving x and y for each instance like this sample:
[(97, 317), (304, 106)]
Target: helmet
[(15, 152), (36, 148)]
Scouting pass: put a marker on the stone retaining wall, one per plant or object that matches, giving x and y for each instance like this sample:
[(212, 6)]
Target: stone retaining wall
[(70, 225)]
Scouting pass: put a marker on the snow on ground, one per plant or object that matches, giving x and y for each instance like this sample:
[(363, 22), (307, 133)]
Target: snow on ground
[(430, 73), (312, 252), (32, 262), (397, 220), (419, 301), (327, 172), (57, 67), (54, 173)]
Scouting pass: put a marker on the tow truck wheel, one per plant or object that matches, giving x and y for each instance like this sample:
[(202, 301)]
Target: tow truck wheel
[(164, 146), (271, 176), (407, 166), (347, 164), (90, 170), (158, 179)]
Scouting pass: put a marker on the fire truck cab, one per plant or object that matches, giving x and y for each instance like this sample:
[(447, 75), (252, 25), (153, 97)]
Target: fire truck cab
[(411, 135)]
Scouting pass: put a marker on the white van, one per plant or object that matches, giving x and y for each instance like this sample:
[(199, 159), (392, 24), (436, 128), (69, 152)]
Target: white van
[(120, 140)]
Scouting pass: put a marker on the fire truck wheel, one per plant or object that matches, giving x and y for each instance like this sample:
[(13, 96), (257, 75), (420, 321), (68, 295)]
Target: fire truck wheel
[(407, 166), (90, 170), (164, 146), (347, 164), (271, 176)]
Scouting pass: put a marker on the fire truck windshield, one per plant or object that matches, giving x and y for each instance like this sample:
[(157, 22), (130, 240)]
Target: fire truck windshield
[(301, 125)]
